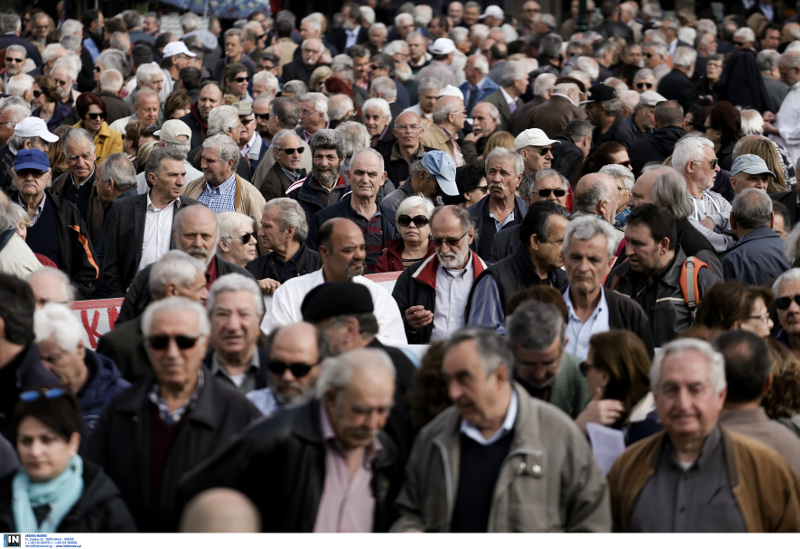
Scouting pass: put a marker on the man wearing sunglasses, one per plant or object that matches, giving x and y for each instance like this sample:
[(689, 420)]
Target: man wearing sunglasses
[(535, 148), (603, 110), (15, 61), (655, 59), (641, 121), (287, 149), (787, 303), (162, 425)]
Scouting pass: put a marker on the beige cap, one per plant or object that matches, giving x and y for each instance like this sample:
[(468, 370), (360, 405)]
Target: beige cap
[(171, 130)]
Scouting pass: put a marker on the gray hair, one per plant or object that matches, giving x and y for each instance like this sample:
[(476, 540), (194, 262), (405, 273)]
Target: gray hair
[(790, 245), (222, 119), (174, 304), (514, 70), (12, 23), (67, 289), (176, 267), (480, 63), (145, 73), (235, 282), (766, 59), (752, 209), (320, 101), (228, 222), (589, 66), (354, 137), (643, 73), (132, 19), (313, 22), (410, 204), (337, 372), (57, 320), (339, 105), (494, 113), (119, 42), (190, 22), (111, 80), (684, 57), (75, 134), (545, 317), (72, 27), (295, 87), (269, 80), (658, 48), (380, 27), (142, 93), (716, 362), (227, 147), (153, 164), (114, 59), (746, 33), (71, 43), (591, 193), (791, 274), (386, 87), (544, 83), (689, 149), (587, 227), (53, 51), (544, 173), (460, 34), (378, 155), (380, 104), (752, 124), (502, 153), (17, 48), (620, 172), (278, 139), (327, 139), (670, 193), (492, 348), (550, 45), (117, 167), (291, 214), (791, 58), (479, 30), (463, 215), (19, 84)]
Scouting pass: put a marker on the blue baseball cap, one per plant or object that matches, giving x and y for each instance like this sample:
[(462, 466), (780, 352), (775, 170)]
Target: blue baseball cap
[(440, 165), (750, 164), (31, 159)]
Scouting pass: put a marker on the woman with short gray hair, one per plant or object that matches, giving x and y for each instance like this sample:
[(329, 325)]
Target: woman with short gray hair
[(237, 238), (412, 220)]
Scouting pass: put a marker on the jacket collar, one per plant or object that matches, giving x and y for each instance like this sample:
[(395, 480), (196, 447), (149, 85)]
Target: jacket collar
[(756, 234), (426, 273)]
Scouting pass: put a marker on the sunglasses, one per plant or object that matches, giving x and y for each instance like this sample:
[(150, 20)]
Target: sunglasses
[(648, 55), (31, 396), (783, 303), (12, 60), (452, 242), (262, 116), (545, 150), (418, 220), (544, 193), (161, 342), (642, 85), (298, 369), (246, 237), (484, 189), (711, 163), (740, 44), (241, 79), (96, 115), (298, 150), (96, 69), (37, 93)]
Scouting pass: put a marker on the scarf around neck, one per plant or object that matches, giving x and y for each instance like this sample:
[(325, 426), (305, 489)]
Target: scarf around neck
[(61, 494)]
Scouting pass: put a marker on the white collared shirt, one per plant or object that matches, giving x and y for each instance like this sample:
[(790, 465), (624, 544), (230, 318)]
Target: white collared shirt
[(452, 292), (579, 332), (508, 424), (512, 103), (157, 232)]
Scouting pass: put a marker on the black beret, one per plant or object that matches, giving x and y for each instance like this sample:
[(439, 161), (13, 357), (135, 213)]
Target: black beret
[(335, 299)]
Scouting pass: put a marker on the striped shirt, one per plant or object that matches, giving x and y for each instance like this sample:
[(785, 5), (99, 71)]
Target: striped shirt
[(222, 198)]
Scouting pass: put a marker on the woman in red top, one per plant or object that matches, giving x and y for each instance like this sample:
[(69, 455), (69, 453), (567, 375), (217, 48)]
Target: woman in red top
[(412, 220)]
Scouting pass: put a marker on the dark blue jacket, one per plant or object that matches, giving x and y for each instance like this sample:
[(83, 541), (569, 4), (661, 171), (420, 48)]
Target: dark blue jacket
[(104, 382), (308, 200), (756, 259), (485, 228)]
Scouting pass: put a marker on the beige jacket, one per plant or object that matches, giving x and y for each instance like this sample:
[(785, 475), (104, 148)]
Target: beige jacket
[(247, 201)]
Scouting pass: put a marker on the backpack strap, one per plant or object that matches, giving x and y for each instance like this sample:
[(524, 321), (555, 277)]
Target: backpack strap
[(689, 280)]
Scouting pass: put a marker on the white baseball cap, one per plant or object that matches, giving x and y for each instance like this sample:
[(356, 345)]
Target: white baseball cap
[(450, 91), (493, 11), (34, 127), (650, 98), (533, 137), (442, 46), (176, 48)]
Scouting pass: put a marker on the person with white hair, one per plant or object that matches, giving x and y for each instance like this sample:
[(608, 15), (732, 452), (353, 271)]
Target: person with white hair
[(150, 76), (543, 86), (90, 376), (65, 73), (16, 56), (507, 98), (237, 238), (265, 83), (21, 85), (677, 85), (754, 489)]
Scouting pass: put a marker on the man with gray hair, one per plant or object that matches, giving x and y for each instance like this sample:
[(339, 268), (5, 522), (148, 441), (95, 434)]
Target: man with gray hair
[(543, 86), (355, 381), (449, 116), (659, 484), (757, 256), (507, 99), (174, 134), (10, 116), (147, 76), (340, 106), (12, 26), (677, 85), (596, 195), (477, 85), (313, 115), (15, 62), (30, 133), (541, 365), (287, 149), (767, 61)]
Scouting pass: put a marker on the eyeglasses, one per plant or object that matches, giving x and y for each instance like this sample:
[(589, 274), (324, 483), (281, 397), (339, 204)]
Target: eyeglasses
[(247, 236), (484, 189), (97, 69), (262, 36), (298, 150), (32, 396), (96, 115), (298, 369), (764, 317), (161, 342), (246, 121), (418, 220), (544, 193), (37, 93), (452, 242), (264, 116), (584, 366), (711, 163), (649, 55), (740, 44), (306, 112), (241, 79), (544, 151), (783, 303), (12, 60), (643, 85)]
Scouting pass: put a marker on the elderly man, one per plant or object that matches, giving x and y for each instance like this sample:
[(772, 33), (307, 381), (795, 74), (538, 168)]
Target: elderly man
[(787, 302), (197, 120), (668, 124), (146, 107), (284, 231), (146, 219), (237, 238), (235, 308), (287, 149), (427, 93), (20, 368), (316, 441), (194, 231), (10, 116), (588, 251), (431, 175), (284, 115), (485, 120), (652, 276), (174, 134), (655, 59), (51, 215), (377, 115), (326, 184), (603, 110), (541, 365), (29, 133), (784, 127), (500, 208), (757, 256), (507, 98), (597, 194), (65, 73), (489, 428), (311, 51), (748, 372), (16, 56), (342, 253), (147, 76), (401, 153), (313, 115), (50, 285), (175, 274), (135, 438), (366, 176), (643, 120), (221, 188), (536, 260), (442, 51), (553, 115), (477, 86), (449, 116), (91, 377), (432, 294), (665, 483), (535, 148)]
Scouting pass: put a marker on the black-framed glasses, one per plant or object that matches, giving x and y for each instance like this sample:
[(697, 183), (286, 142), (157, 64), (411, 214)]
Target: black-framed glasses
[(247, 236), (584, 366), (240, 79), (452, 242), (264, 116), (406, 220), (298, 369), (484, 189), (711, 163), (292, 151), (96, 115), (648, 55), (31, 396), (544, 193), (13, 60), (783, 303), (545, 150), (161, 342)]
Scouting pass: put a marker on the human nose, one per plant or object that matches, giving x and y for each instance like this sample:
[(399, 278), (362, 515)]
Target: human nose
[(454, 391), (203, 293)]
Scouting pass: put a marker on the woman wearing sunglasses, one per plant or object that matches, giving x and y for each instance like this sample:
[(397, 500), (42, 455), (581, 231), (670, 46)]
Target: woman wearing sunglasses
[(55, 490), (237, 238), (412, 221), (46, 102), (92, 112), (235, 80)]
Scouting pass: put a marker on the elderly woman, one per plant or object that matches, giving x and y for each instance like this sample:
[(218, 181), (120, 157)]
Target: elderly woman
[(92, 111), (55, 490), (235, 79), (623, 176), (46, 103), (412, 220), (237, 238), (732, 305)]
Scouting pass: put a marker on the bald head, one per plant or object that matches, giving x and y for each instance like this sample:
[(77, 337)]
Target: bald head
[(341, 249), (407, 117), (195, 231), (642, 191), (220, 510), (597, 193)]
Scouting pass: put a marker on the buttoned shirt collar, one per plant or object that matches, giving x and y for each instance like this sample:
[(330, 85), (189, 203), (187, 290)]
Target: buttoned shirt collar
[(171, 417), (508, 424), (249, 145), (38, 212)]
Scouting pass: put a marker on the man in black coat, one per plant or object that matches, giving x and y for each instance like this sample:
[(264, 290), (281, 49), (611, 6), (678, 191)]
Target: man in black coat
[(310, 59), (574, 144), (197, 119), (657, 147), (677, 85), (304, 444)]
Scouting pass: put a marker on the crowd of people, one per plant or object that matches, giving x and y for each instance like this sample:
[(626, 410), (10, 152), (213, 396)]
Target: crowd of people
[(596, 301)]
